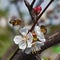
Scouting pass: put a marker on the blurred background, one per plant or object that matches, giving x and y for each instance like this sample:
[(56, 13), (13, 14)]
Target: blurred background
[(51, 19)]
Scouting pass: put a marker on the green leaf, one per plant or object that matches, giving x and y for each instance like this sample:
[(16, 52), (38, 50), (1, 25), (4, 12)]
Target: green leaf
[(56, 49)]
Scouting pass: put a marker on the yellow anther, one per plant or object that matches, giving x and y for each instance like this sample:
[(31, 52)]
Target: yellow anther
[(25, 38), (34, 36)]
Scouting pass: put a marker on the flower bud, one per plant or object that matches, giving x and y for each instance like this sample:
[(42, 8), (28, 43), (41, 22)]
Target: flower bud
[(37, 10)]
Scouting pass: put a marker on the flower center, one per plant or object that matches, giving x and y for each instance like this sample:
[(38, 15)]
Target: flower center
[(25, 38), (34, 36)]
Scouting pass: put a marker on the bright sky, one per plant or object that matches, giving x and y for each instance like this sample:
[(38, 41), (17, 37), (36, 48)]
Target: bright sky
[(13, 10)]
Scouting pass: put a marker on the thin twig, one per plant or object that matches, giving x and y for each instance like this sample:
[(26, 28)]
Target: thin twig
[(27, 4), (32, 3), (17, 49), (41, 15), (9, 52), (31, 11)]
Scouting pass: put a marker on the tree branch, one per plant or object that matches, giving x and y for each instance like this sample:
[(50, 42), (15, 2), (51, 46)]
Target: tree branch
[(51, 41), (30, 9), (32, 3), (9, 52), (41, 15)]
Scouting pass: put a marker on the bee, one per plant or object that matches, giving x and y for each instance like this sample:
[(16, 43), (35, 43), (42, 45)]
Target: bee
[(43, 29), (15, 22)]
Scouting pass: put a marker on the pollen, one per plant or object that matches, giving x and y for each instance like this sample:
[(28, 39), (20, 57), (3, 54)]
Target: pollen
[(34, 36), (25, 38)]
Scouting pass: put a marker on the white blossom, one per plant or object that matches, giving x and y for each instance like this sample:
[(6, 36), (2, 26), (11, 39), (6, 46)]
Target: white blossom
[(24, 41), (39, 34), (36, 46)]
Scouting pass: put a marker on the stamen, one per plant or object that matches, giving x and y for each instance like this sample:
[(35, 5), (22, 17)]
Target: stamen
[(34, 36), (25, 38)]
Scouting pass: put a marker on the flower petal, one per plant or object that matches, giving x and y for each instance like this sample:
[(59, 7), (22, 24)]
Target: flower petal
[(29, 44), (22, 44), (41, 37), (24, 31), (37, 46), (39, 34), (30, 39), (39, 43), (28, 50), (17, 39), (37, 29)]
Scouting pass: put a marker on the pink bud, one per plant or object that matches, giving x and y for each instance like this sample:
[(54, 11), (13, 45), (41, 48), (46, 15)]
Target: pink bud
[(37, 10)]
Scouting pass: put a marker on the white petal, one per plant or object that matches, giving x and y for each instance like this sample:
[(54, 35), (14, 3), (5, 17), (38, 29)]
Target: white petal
[(28, 50), (39, 34), (43, 40), (30, 39), (24, 31), (39, 43), (29, 45), (22, 44), (37, 29), (33, 49), (41, 37), (37, 46), (17, 39)]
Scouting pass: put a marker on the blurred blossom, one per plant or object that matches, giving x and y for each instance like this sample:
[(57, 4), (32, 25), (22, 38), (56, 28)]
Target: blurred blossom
[(47, 22), (15, 22), (41, 22), (55, 21), (3, 22)]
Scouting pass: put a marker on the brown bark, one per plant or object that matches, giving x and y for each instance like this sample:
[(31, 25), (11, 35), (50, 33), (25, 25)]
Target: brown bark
[(18, 55), (52, 40)]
